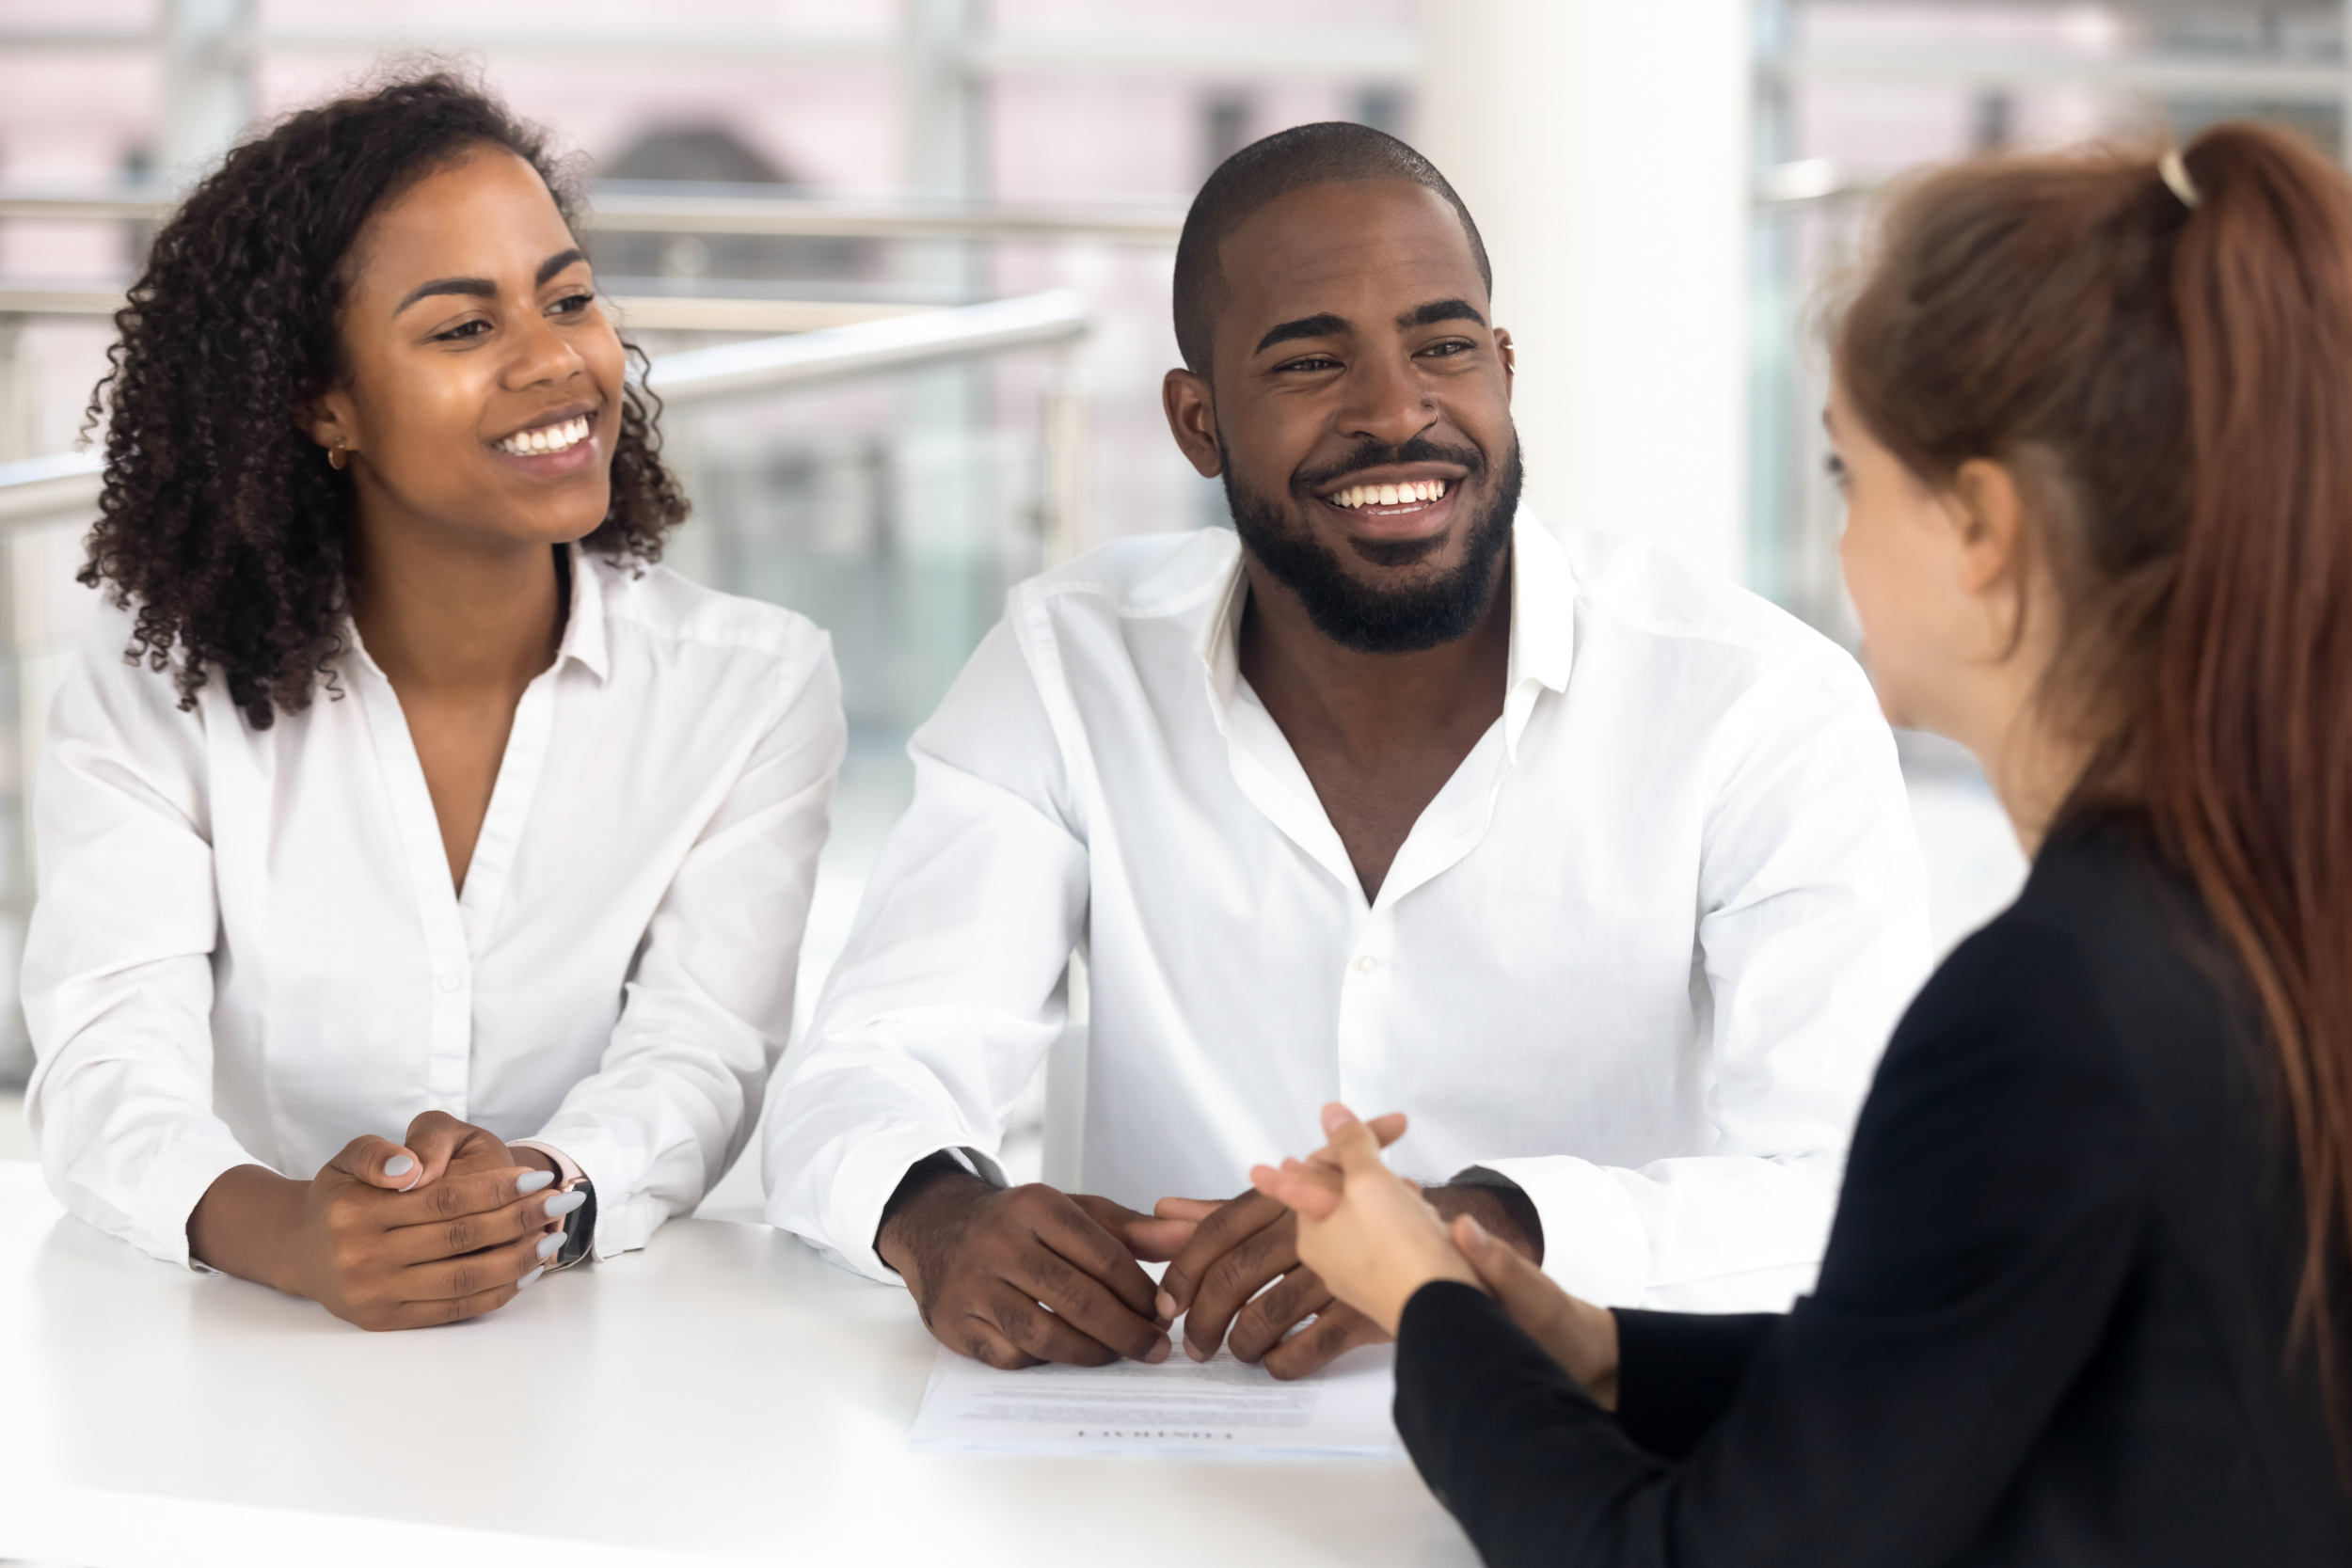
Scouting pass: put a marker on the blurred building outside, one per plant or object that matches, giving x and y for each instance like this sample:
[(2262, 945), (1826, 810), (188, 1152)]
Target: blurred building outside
[(1665, 189)]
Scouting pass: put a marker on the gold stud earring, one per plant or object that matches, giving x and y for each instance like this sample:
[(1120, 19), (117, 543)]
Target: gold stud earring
[(336, 455)]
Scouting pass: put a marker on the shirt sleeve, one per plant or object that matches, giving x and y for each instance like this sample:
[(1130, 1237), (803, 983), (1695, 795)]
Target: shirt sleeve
[(708, 1006), (118, 979), (1990, 1223), (951, 988), (1812, 937)]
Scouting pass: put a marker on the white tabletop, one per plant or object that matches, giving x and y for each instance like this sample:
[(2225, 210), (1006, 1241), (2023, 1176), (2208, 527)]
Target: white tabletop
[(724, 1394)]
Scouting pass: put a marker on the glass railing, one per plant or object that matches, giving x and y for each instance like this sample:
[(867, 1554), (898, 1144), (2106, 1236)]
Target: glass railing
[(889, 479)]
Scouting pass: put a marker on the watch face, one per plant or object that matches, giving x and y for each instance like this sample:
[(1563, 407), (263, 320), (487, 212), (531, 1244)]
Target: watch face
[(580, 1226)]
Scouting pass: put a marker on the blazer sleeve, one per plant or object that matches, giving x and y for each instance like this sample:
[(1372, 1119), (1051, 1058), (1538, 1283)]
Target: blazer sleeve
[(1677, 1371), (1993, 1208)]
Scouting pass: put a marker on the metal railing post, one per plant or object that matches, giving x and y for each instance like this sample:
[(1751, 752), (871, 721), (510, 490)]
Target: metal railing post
[(1069, 416), (16, 391)]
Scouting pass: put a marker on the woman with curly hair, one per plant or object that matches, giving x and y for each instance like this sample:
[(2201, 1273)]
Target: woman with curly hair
[(397, 788)]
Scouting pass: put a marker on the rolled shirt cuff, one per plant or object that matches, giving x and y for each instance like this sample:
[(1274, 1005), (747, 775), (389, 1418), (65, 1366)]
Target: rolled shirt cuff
[(174, 1184), (1596, 1245), (627, 1215), (869, 1175)]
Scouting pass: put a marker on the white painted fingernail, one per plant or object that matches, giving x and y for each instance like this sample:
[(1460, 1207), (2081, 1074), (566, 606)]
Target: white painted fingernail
[(547, 1246), (563, 1203), (527, 1281), (399, 1165), (532, 1181)]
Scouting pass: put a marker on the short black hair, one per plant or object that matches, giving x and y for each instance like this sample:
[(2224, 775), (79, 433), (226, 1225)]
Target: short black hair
[(1328, 152)]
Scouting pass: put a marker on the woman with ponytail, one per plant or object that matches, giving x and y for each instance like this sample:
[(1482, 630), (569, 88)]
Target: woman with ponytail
[(2089, 1294)]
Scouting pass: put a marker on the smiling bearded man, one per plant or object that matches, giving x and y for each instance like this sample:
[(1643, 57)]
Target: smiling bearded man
[(1600, 869)]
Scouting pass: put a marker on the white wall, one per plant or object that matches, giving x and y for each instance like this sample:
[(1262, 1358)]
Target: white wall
[(1603, 146)]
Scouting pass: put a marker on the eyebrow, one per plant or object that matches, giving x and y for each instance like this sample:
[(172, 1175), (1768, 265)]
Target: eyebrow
[(1327, 325), (1323, 325), (1442, 310), (482, 288)]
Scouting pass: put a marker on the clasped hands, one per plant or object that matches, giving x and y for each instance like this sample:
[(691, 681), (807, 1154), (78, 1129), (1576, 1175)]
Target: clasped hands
[(449, 1225), (1371, 1234), (1019, 1275)]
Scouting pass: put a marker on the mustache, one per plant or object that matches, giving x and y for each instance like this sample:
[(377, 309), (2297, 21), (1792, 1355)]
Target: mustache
[(1369, 453)]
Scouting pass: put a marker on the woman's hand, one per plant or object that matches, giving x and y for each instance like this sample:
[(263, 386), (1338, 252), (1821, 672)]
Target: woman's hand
[(1363, 1228), (1581, 1337), (446, 1227)]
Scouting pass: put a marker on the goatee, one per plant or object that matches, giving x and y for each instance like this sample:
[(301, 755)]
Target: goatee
[(1423, 611)]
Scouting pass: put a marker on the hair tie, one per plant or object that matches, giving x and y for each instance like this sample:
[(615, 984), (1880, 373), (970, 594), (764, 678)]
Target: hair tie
[(2175, 175)]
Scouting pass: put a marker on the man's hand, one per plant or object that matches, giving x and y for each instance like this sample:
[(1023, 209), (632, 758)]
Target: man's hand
[(386, 1235), (1219, 1280), (1016, 1276), (1238, 1248), (1495, 1213), (1363, 1228)]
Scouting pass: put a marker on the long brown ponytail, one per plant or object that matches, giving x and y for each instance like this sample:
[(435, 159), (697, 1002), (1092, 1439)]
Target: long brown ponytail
[(2171, 370)]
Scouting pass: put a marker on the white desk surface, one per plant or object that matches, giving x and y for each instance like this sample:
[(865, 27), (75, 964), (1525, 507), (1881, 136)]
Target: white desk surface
[(724, 1395)]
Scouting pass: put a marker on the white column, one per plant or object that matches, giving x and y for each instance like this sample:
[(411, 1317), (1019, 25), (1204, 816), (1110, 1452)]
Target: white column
[(940, 539), (2344, 108), (208, 82), (1603, 146)]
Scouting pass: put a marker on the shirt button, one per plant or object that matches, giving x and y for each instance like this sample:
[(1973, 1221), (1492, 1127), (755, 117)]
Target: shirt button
[(1366, 964), (448, 980)]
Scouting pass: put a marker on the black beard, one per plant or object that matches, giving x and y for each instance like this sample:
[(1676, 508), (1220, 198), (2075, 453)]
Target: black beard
[(1404, 619)]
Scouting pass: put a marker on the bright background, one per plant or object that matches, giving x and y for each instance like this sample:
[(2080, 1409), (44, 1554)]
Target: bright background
[(1664, 186)]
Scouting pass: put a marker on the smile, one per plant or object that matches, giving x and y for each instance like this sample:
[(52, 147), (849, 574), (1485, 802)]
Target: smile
[(549, 438), (1386, 498)]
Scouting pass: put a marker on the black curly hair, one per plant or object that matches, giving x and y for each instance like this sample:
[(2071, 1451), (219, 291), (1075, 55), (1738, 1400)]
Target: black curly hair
[(220, 519)]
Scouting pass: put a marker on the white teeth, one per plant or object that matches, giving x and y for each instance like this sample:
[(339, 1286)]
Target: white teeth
[(1418, 492), (561, 438)]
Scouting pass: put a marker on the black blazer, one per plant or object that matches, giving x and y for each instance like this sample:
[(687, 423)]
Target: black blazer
[(2051, 1328)]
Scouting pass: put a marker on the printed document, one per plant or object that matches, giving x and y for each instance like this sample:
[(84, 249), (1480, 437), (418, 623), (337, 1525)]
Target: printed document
[(1180, 1406)]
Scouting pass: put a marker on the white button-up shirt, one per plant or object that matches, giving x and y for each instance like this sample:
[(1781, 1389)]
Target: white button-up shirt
[(247, 949), (1640, 954)]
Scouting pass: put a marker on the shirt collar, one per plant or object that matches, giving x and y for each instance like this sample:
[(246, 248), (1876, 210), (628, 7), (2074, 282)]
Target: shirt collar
[(1543, 615), (1543, 605), (1218, 644), (584, 624)]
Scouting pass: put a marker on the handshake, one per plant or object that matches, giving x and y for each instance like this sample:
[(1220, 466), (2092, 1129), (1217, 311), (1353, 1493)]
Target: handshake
[(1013, 1277)]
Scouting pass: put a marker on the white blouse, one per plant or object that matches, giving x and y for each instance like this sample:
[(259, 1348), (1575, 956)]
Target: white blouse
[(246, 949)]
